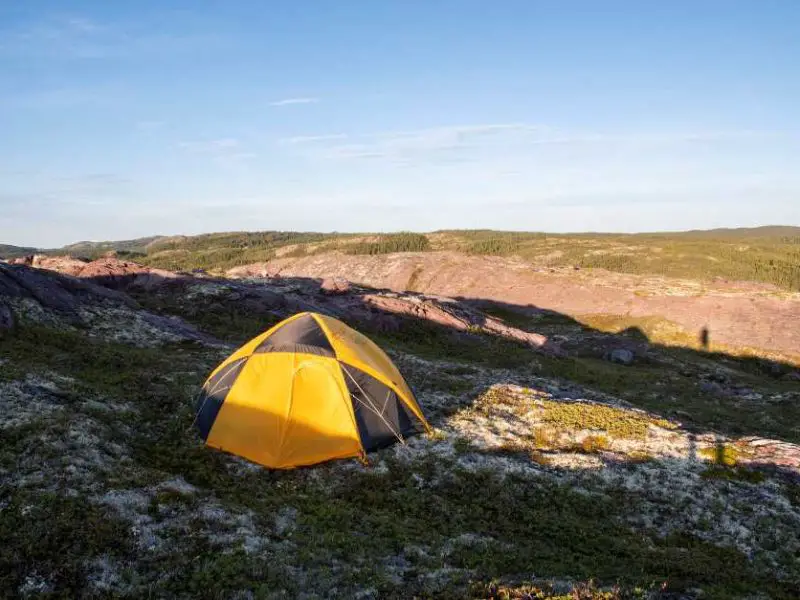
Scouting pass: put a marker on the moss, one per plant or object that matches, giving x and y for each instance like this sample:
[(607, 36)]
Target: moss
[(54, 536), (593, 444), (228, 321), (437, 435), (617, 422), (734, 474), (442, 382), (792, 491), (540, 458), (579, 591), (638, 457), (722, 454), (569, 417), (352, 516), (558, 532), (544, 438), (205, 572), (170, 498), (462, 445)]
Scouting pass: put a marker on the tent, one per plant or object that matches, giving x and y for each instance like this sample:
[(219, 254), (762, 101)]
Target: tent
[(309, 389)]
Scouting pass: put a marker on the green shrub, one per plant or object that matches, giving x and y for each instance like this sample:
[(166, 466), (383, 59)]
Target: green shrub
[(387, 244)]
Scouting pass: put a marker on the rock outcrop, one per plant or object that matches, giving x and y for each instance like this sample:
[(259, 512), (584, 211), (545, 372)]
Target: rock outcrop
[(741, 314), (381, 309), (107, 271), (334, 285), (43, 295)]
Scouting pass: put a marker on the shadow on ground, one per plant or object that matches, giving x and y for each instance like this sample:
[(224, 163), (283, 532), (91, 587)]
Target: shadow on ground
[(705, 390), (485, 522)]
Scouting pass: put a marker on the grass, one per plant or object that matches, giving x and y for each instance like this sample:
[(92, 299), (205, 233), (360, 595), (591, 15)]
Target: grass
[(733, 474), (222, 251), (592, 444), (365, 517), (54, 536), (766, 255), (581, 591), (230, 322), (670, 387), (722, 455), (568, 417), (545, 438), (656, 330), (559, 531), (444, 382), (616, 422)]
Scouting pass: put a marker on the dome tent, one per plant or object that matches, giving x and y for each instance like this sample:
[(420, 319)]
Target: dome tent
[(308, 390)]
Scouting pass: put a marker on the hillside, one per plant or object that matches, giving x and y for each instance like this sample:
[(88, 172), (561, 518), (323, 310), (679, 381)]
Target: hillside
[(95, 249), (569, 459), (769, 255), (763, 254), (737, 314), (8, 251)]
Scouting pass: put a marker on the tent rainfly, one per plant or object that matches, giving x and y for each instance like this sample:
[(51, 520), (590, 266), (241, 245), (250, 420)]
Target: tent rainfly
[(308, 390)]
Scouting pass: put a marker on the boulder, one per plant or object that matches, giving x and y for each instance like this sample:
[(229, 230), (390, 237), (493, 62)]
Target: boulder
[(21, 281), (69, 297), (61, 264), (22, 260), (334, 285), (712, 387), (108, 271), (621, 356)]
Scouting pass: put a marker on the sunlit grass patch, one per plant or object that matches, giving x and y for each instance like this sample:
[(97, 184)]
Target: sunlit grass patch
[(721, 454), (657, 330), (567, 416)]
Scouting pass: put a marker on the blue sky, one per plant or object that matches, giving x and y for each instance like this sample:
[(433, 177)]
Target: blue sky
[(120, 120)]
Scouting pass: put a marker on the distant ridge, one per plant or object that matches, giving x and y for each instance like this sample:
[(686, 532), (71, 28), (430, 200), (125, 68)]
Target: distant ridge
[(136, 245), (141, 245), (765, 231), (9, 251)]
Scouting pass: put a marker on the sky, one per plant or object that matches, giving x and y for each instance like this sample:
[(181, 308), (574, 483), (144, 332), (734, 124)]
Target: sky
[(126, 119)]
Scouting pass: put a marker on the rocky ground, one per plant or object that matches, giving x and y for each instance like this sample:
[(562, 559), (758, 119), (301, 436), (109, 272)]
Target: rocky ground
[(566, 462), (736, 313)]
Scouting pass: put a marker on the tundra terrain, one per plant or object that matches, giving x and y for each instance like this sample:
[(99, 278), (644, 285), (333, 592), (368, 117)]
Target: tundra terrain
[(588, 442)]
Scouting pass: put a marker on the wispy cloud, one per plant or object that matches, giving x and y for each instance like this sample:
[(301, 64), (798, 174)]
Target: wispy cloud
[(82, 25), (50, 194), (312, 139), (211, 146), (405, 145), (652, 137), (79, 37), (226, 152), (453, 144), (290, 101)]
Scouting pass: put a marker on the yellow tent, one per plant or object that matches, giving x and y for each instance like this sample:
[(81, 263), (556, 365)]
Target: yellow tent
[(308, 390)]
